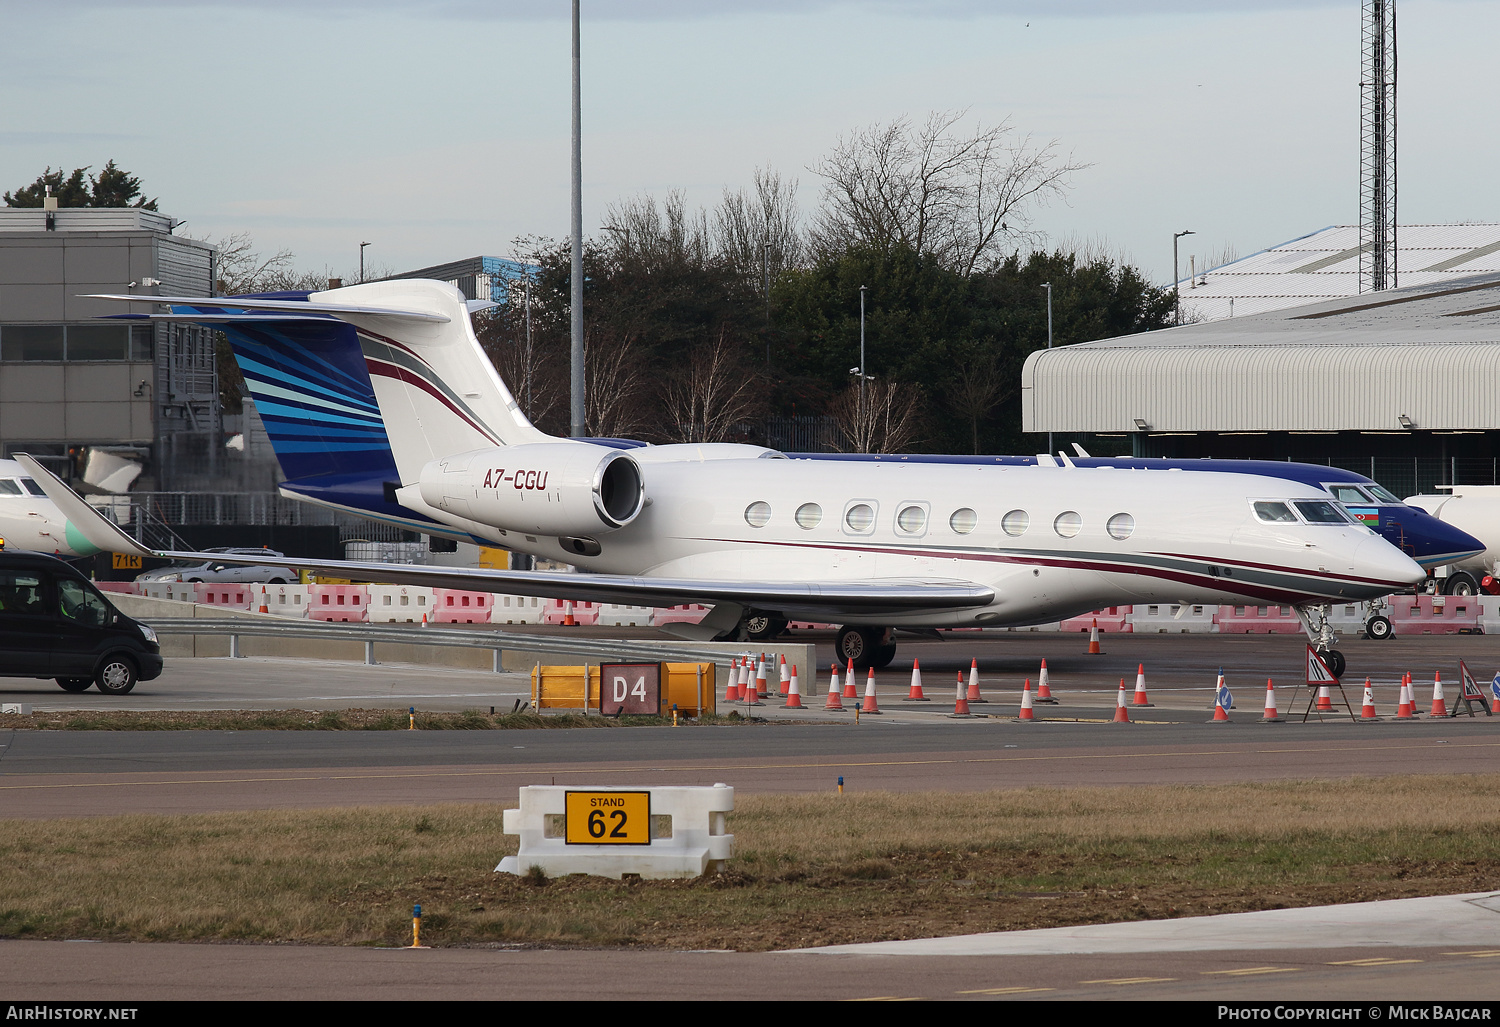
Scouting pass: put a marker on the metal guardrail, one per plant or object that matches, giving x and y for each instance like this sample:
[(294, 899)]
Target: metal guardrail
[(592, 650)]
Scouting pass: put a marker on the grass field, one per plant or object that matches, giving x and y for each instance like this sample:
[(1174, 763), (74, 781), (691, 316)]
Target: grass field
[(809, 870)]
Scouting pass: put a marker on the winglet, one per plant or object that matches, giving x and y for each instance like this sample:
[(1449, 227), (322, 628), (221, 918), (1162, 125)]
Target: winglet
[(90, 523)]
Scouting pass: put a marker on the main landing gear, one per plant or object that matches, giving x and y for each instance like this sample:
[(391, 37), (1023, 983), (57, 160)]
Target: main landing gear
[(866, 646), (1315, 621)]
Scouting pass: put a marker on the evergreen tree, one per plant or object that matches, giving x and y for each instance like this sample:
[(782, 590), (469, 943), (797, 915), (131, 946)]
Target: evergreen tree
[(112, 187)]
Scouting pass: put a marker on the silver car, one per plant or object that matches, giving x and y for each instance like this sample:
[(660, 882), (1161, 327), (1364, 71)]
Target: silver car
[(213, 570)]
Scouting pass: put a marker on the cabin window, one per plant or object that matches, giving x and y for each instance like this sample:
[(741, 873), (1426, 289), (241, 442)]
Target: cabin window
[(1015, 523), (9, 487), (912, 520), (809, 515), (1120, 526), (757, 514), (1067, 523), (962, 522), (1348, 494), (860, 518), (1318, 512), (1274, 513)]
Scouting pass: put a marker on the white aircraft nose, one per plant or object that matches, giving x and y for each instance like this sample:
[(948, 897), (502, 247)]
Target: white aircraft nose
[(1377, 558)]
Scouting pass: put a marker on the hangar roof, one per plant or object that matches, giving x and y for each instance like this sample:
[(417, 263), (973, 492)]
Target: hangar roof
[(1430, 353), (1325, 265)]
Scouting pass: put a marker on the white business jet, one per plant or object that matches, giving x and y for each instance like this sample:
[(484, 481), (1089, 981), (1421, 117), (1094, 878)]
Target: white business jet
[(760, 538), (31, 521)]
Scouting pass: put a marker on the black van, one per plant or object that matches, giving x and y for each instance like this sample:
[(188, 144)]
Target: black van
[(55, 624)]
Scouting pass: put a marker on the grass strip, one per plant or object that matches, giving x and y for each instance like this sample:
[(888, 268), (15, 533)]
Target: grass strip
[(333, 720), (810, 869)]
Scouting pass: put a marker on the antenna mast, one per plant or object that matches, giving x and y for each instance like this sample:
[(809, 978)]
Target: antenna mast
[(1377, 148)]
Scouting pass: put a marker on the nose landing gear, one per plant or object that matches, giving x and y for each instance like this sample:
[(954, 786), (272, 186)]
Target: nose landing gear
[(1315, 621)]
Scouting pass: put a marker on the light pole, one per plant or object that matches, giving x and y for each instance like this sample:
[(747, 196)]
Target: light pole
[(576, 416), (765, 255), (362, 262), (1176, 285), (862, 374), (1048, 287)]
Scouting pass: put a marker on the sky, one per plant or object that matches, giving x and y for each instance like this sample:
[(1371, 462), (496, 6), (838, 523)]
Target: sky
[(440, 130)]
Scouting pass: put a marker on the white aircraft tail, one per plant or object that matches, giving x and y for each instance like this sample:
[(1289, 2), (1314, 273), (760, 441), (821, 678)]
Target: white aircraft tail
[(437, 391)]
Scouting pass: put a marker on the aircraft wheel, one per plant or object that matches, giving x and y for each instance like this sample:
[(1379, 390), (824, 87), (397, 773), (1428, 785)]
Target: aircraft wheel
[(74, 684), (860, 644), (1336, 662), (762, 626), (884, 655), (1461, 584), (1378, 628), (116, 675)]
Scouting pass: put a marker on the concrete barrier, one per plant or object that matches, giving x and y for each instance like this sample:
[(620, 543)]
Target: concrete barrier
[(1111, 618), (457, 606), (399, 604), (616, 616), (516, 610), (1433, 615), (1258, 620), (343, 603), (1173, 619), (684, 833)]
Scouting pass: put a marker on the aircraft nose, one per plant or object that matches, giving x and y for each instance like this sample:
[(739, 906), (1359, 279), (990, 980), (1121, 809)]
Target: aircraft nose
[(1376, 558)]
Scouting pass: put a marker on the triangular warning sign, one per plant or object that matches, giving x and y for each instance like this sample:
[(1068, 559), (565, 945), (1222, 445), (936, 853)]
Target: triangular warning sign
[(1470, 686), (1317, 670)]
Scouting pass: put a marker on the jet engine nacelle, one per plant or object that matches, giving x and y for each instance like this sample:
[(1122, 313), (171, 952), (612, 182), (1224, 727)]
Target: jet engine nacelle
[(563, 489)]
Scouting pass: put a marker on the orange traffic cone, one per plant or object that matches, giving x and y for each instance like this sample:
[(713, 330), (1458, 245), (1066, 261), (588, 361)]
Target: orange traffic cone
[(915, 694), (1439, 703), (1044, 687), (1325, 700), (264, 602), (849, 690), (961, 705), (1122, 715), (568, 621), (424, 620), (834, 702), (974, 695), (872, 705), (1495, 702), (786, 680), (794, 692), (1094, 649), (1367, 712), (1140, 686), (1404, 708), (732, 690), (1220, 715), (1271, 716), (1026, 711), (757, 687)]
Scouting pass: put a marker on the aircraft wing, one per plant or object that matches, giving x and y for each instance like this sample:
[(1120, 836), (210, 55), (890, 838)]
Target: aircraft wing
[(857, 600)]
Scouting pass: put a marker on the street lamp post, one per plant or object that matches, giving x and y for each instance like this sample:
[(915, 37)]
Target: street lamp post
[(1048, 287), (1176, 283), (362, 262), (576, 419)]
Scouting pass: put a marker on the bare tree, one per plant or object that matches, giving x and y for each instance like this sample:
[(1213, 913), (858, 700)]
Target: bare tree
[(665, 233), (754, 231), (883, 417), (977, 389), (958, 198), (704, 400), (614, 386)]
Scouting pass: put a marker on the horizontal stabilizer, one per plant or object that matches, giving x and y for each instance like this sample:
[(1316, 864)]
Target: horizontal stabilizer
[(227, 303)]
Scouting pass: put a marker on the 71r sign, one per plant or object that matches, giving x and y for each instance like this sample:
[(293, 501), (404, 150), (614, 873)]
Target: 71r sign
[(630, 688)]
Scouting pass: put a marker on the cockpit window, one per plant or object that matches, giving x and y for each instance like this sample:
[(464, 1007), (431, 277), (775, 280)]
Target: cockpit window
[(32, 487), (1381, 494), (9, 487), (1348, 494), (1318, 512), (1275, 513)]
